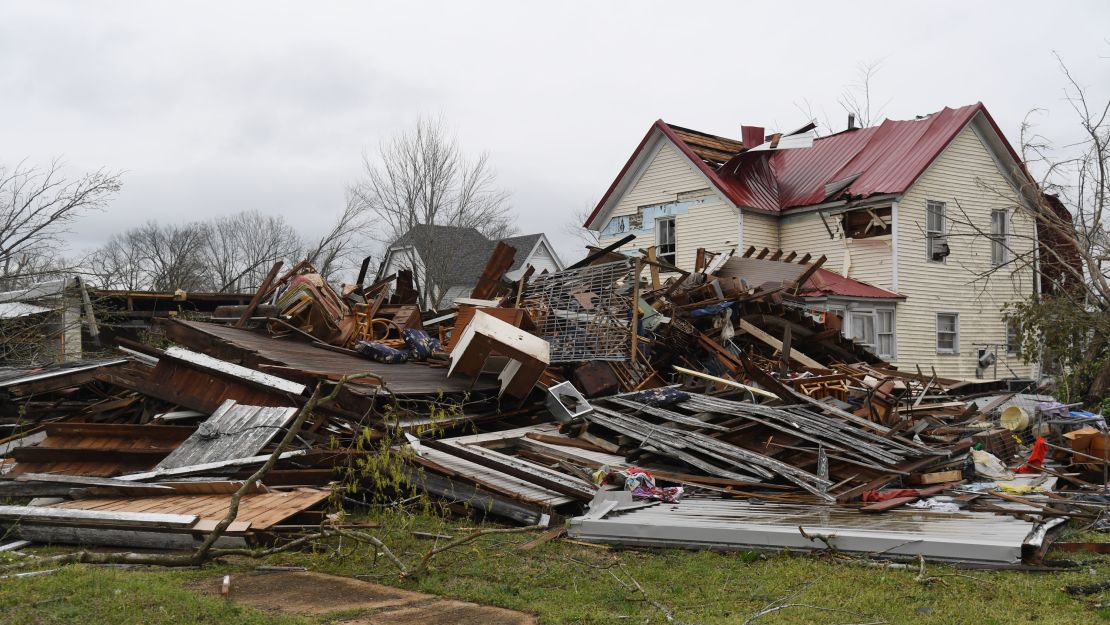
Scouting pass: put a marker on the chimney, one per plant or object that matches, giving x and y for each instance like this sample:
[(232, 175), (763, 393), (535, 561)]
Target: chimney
[(851, 121), (751, 136)]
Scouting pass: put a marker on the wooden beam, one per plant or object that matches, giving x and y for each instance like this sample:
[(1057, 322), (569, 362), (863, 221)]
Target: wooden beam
[(259, 294), (795, 355)]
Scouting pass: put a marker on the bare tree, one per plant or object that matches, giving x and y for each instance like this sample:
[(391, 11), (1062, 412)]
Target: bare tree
[(856, 99), (577, 229), (156, 257), (421, 176), (37, 206), (333, 252), (1066, 188), (240, 248)]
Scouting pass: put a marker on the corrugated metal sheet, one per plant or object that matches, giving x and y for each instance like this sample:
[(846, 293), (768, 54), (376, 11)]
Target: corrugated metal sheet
[(233, 431), (832, 284), (759, 271), (728, 524), (15, 310), (887, 159)]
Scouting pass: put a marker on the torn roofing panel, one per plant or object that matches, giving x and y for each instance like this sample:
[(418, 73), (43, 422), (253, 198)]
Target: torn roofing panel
[(857, 163), (825, 283), (233, 431)]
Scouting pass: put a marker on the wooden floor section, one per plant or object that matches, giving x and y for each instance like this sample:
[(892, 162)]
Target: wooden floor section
[(261, 510)]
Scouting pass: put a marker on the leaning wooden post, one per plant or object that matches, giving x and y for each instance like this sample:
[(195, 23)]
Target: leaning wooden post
[(636, 309), (258, 295)]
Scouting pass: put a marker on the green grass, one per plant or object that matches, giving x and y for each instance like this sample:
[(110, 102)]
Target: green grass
[(568, 583)]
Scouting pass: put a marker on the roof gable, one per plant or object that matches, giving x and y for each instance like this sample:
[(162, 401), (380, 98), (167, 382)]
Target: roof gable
[(854, 164)]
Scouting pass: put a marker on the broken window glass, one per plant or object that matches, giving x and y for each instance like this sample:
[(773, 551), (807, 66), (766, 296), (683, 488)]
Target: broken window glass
[(665, 240), (936, 244)]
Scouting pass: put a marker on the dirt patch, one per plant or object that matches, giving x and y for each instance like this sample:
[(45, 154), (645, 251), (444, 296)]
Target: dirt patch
[(446, 612), (313, 593)]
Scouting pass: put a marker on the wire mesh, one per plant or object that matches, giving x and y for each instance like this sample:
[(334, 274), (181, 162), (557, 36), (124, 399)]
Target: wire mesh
[(584, 313)]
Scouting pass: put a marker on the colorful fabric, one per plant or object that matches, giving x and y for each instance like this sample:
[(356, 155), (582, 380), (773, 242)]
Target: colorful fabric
[(640, 482), (709, 311), (1036, 457), (380, 353), (420, 344)]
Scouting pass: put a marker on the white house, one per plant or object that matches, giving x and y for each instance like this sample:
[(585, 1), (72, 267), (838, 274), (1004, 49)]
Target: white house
[(889, 206), (447, 261)]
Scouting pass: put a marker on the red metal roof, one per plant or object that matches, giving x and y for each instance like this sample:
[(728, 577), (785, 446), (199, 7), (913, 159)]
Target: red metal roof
[(825, 283), (883, 159)]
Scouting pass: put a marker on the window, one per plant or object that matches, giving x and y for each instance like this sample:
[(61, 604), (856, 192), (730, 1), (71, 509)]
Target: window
[(664, 240), (863, 328), (936, 244), (884, 333), (873, 329), (1013, 337), (999, 232), (948, 333)]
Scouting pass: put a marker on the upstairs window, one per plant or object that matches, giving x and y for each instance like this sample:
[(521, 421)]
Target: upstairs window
[(999, 232), (948, 333), (1013, 337), (664, 240), (936, 243)]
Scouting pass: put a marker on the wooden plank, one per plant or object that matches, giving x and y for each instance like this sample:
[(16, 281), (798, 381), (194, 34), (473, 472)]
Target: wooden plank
[(94, 517), (936, 478), (259, 294), (499, 262), (795, 355)]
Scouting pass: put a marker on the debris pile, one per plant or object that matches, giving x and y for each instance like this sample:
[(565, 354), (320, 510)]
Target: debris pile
[(647, 404)]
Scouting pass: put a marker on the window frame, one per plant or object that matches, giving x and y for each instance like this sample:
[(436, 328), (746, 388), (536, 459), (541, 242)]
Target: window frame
[(1000, 239), (660, 226), (955, 349), (932, 235), (879, 334), (864, 312), (1013, 337)]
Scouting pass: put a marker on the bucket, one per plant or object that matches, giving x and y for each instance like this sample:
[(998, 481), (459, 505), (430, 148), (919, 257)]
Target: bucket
[(1015, 419)]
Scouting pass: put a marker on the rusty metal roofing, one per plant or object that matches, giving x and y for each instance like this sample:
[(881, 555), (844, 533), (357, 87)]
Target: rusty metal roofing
[(886, 158), (825, 283), (853, 164)]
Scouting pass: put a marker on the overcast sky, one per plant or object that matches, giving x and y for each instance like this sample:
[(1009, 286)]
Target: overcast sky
[(213, 108)]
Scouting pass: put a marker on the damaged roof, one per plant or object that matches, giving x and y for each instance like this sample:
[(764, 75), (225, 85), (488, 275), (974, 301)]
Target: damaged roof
[(853, 164)]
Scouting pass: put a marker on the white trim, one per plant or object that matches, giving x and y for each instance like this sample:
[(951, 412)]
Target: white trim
[(894, 246), (740, 230), (936, 333), (639, 166)]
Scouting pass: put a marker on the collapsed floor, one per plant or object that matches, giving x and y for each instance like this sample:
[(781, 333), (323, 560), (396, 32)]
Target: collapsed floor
[(643, 404)]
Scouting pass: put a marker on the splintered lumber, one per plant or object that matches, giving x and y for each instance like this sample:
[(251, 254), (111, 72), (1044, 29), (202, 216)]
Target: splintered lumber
[(795, 355), (936, 478)]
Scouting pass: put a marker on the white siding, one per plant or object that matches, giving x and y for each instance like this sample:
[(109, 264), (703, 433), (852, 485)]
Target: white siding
[(541, 259), (868, 260), (760, 230), (712, 224), (967, 178)]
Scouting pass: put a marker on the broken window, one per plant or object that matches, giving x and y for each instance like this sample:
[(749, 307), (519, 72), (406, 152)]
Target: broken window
[(665, 240), (948, 333), (999, 232), (936, 243), (867, 223), (863, 328)]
